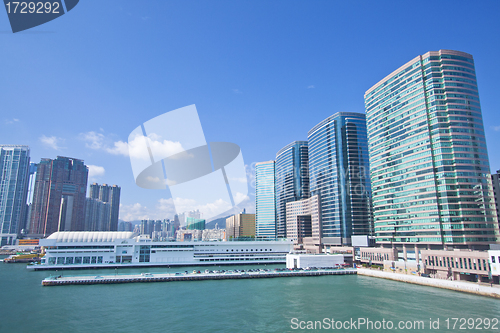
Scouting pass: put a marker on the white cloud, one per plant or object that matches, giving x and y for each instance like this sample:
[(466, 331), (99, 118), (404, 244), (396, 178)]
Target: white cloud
[(120, 148), (12, 121), (93, 140), (208, 210), (237, 91), (96, 171), (311, 87), (136, 147), (51, 142), (165, 208), (134, 212), (496, 128)]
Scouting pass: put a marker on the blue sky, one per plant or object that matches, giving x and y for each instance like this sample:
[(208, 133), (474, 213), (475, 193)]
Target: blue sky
[(261, 73)]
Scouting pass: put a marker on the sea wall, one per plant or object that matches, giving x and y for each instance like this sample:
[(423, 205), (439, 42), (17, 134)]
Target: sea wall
[(468, 287)]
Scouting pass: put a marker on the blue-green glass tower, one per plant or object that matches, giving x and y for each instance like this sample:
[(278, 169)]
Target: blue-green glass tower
[(14, 175), (292, 180), (428, 156), (339, 174), (265, 200)]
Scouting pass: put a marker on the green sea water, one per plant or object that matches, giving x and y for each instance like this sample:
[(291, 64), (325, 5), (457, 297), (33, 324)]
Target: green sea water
[(256, 305)]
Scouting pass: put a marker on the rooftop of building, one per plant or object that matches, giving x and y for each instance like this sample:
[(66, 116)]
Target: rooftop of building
[(412, 61), (334, 116), (89, 236)]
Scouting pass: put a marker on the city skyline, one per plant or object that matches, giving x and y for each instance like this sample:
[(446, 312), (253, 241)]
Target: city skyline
[(85, 103)]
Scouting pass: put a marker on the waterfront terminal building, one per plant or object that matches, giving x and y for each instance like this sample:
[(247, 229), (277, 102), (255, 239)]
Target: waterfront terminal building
[(84, 249)]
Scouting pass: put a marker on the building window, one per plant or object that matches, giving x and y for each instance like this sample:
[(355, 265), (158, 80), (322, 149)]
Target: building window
[(461, 265), (94, 260), (470, 264), (86, 260), (78, 260), (99, 260)]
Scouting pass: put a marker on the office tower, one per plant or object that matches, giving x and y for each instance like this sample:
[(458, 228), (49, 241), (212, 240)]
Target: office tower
[(240, 225), (110, 194), (303, 219), (495, 180), (195, 224), (195, 214), (144, 227), (292, 180), (31, 192), (125, 226), (428, 157), (97, 215), (265, 200), (14, 174), (339, 175), (180, 219), (59, 197)]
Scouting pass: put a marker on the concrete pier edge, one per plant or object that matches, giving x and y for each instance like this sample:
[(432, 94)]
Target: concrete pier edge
[(468, 287)]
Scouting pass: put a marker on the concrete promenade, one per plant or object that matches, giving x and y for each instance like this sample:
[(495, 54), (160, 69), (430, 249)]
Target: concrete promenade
[(468, 287), (169, 277)]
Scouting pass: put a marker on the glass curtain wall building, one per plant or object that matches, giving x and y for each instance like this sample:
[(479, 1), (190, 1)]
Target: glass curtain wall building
[(428, 156), (265, 200), (292, 180), (339, 174), (14, 176)]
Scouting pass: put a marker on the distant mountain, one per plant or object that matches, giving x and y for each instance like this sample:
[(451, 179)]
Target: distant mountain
[(220, 221), (137, 222)]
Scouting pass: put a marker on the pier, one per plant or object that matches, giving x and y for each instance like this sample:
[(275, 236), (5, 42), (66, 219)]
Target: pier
[(171, 277)]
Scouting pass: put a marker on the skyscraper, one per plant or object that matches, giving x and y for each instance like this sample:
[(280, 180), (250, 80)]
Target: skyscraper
[(108, 194), (59, 197), (428, 156), (31, 192), (265, 200), (292, 180), (495, 181), (14, 173), (339, 174), (97, 215)]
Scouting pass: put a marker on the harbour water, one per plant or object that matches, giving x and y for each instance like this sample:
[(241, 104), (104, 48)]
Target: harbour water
[(253, 305)]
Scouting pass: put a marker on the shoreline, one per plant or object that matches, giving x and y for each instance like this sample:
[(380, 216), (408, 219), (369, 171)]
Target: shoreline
[(468, 287)]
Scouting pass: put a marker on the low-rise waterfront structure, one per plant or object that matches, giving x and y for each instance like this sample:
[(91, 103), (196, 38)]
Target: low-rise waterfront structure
[(72, 250), (301, 260), (457, 264)]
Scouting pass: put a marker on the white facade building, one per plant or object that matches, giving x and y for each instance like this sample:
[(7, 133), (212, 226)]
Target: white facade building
[(118, 249), (313, 260)]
